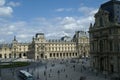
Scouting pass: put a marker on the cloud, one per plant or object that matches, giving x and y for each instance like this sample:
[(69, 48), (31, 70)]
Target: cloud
[(87, 10), (54, 34), (13, 4), (9, 33), (92, 12), (64, 9), (2, 2), (2, 40), (52, 28), (5, 11), (23, 36), (76, 23), (60, 10), (69, 23)]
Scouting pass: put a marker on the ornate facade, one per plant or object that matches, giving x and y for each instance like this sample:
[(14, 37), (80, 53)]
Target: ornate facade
[(105, 39), (66, 47), (40, 48), (14, 50)]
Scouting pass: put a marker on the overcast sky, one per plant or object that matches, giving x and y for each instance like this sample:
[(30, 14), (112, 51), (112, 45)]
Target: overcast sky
[(54, 18)]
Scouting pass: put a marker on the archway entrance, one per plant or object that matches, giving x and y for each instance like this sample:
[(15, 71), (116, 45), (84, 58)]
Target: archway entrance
[(24, 54), (84, 55), (20, 55), (10, 55), (42, 56)]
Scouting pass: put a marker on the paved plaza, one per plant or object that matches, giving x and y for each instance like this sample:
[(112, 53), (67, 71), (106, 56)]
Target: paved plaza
[(56, 70)]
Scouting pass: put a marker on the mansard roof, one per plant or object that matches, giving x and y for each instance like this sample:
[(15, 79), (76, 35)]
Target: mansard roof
[(39, 33), (5, 45), (110, 2)]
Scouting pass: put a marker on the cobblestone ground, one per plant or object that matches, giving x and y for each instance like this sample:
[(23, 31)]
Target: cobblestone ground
[(56, 70)]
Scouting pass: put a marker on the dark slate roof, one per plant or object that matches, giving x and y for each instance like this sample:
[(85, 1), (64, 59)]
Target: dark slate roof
[(6, 45), (39, 34), (110, 2)]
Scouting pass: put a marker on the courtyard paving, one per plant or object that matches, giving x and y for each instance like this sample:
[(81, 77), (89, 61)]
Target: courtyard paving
[(55, 70)]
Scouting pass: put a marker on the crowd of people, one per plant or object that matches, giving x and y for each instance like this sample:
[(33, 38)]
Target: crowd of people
[(49, 69)]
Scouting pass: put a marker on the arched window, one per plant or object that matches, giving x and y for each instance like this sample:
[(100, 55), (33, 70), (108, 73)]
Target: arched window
[(76, 54), (42, 56)]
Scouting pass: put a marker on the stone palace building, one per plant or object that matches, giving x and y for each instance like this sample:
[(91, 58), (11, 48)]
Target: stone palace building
[(14, 50), (105, 38), (40, 48)]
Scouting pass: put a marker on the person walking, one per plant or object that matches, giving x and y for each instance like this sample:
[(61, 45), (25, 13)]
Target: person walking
[(50, 70), (44, 73), (66, 76), (58, 74), (74, 67)]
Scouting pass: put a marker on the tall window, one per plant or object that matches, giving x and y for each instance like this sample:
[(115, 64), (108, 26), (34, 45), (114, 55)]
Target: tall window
[(50, 54), (101, 21), (54, 54), (73, 54), (101, 45), (111, 45), (60, 54), (57, 54), (76, 54), (66, 54), (20, 55)]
